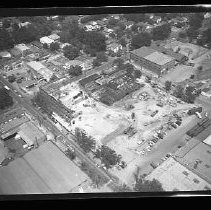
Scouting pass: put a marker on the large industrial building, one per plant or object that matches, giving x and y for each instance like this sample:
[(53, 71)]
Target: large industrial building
[(44, 170), (151, 60), (176, 177)]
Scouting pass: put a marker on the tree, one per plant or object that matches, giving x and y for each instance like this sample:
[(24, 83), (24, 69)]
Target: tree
[(192, 33), (6, 41), (93, 175), (101, 56), (71, 52), (6, 23), (206, 37), (138, 17), (140, 40), (137, 74), (75, 70), (112, 23), (161, 32), (45, 46), (123, 42), (40, 101), (129, 68), (54, 46), (122, 188), (65, 37), (53, 78), (134, 28), (179, 91), (182, 34), (96, 63), (195, 20), (6, 100), (148, 79), (143, 185), (168, 85), (87, 143), (107, 156), (71, 154), (95, 40), (119, 62), (11, 78), (89, 50)]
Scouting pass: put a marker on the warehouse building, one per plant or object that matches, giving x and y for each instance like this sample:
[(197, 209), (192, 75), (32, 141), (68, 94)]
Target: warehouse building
[(41, 69), (176, 177), (31, 134), (152, 60), (45, 170), (197, 159)]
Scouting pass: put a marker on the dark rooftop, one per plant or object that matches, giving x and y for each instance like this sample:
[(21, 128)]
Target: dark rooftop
[(89, 79)]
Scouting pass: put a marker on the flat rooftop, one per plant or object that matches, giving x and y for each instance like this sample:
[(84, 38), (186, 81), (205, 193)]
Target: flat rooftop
[(198, 159), (159, 58), (175, 177), (42, 170), (143, 51)]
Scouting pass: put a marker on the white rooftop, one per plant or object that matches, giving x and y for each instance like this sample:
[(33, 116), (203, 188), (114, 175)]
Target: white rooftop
[(158, 58), (46, 40), (54, 36), (21, 47), (174, 176), (208, 140)]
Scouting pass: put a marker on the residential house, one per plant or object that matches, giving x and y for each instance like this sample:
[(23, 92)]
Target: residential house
[(46, 40)]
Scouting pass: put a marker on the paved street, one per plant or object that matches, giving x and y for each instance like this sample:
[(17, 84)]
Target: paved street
[(25, 103)]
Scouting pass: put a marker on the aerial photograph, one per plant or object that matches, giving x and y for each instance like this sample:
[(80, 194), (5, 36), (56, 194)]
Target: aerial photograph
[(105, 103)]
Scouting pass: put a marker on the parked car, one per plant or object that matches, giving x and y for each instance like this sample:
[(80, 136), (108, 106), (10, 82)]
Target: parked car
[(153, 165)]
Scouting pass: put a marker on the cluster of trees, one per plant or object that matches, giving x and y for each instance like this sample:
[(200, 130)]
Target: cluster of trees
[(71, 52), (100, 57), (75, 71), (187, 94), (138, 17), (140, 40), (87, 143), (161, 32), (6, 100), (89, 18), (93, 175), (40, 101), (54, 46), (108, 156), (168, 85), (39, 26), (144, 185)]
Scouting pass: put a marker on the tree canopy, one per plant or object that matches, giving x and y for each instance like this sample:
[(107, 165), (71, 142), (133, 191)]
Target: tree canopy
[(107, 156), (71, 52), (6, 41), (87, 143), (168, 85), (75, 70), (161, 32), (6, 100), (54, 46), (140, 40)]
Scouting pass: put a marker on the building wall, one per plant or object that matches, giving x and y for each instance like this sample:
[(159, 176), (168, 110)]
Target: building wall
[(150, 65), (56, 106)]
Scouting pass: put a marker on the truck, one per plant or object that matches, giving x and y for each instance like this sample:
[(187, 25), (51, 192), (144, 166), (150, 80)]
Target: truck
[(154, 113), (194, 110)]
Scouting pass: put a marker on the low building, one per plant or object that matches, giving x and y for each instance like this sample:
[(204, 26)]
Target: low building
[(46, 40), (31, 134), (176, 177), (54, 37), (41, 69), (89, 79), (5, 54), (23, 49), (208, 140), (197, 159), (45, 170), (11, 127), (114, 47), (152, 60)]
